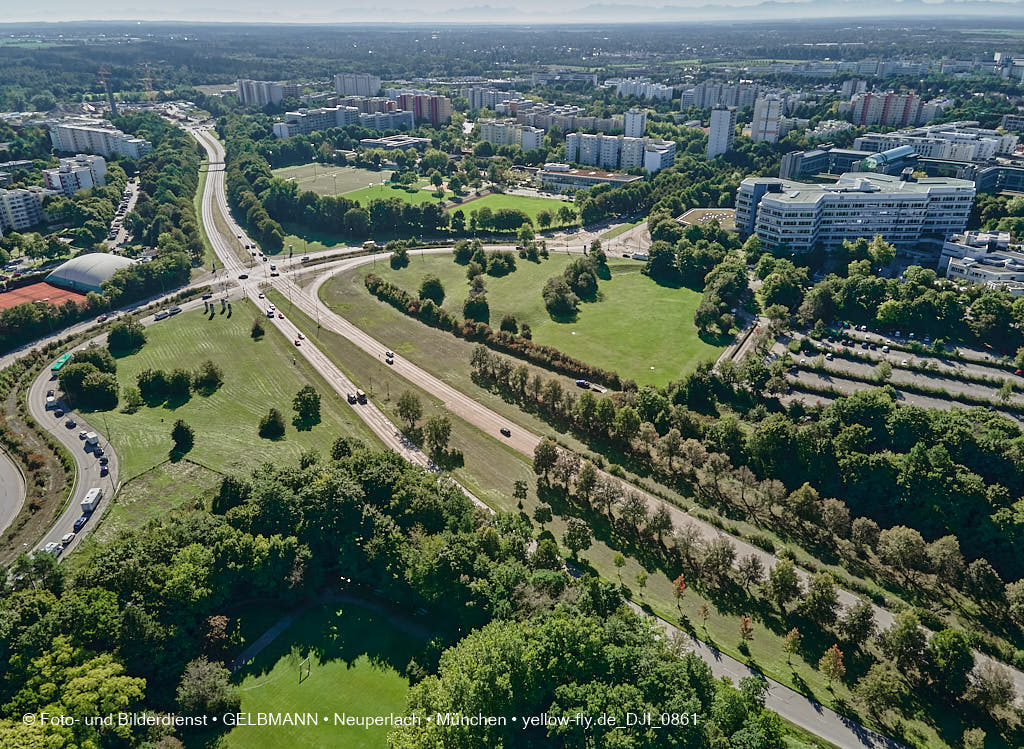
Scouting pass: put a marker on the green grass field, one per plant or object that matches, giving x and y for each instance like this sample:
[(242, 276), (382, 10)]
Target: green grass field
[(326, 179), (618, 230), (635, 324), (530, 206), (355, 655), (383, 192), (258, 375)]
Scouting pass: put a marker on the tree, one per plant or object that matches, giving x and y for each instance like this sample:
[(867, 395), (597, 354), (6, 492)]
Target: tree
[(126, 335), (857, 625), (431, 288), (179, 384), (509, 324), (864, 532), (660, 522), (257, 330), (519, 492), (409, 408), (750, 570), (982, 582), (559, 299), (946, 560), (746, 629), (718, 560), (992, 686), (542, 514), (791, 643), (881, 688), (904, 641), (619, 561), (1014, 594), (306, 405), (182, 438), (436, 433), (577, 536), (831, 664), (544, 218), (821, 600), (973, 738), (950, 660), (783, 583), (903, 548), (206, 688), (679, 588), (544, 457), (272, 425), (207, 378)]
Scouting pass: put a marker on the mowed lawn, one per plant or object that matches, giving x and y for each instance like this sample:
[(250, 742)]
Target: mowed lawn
[(258, 375), (633, 326), (530, 206), (382, 192), (355, 656), (326, 179)]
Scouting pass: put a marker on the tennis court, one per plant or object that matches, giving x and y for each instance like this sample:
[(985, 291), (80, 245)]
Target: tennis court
[(38, 292)]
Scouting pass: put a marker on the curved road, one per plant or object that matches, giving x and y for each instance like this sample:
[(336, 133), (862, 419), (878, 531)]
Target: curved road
[(791, 705), (12, 490)]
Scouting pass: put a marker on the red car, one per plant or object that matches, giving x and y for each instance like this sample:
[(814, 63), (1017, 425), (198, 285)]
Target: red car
[(280, 315), (298, 342)]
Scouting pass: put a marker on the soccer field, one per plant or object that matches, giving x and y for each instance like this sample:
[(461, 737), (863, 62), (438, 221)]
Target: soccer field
[(326, 179)]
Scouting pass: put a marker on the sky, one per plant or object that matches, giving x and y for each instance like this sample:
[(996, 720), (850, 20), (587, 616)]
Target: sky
[(477, 11)]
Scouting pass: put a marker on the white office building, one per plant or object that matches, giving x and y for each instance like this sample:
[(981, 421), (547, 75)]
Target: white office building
[(984, 258), (96, 136), (634, 123), (357, 84), (258, 93), (22, 208), (77, 173), (955, 141), (801, 216), (768, 115), (722, 131)]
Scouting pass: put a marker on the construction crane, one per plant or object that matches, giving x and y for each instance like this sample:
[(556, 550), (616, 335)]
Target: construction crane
[(103, 74)]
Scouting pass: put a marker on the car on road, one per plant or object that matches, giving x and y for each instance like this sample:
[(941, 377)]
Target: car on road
[(389, 360), (53, 548), (350, 397), (70, 423), (207, 295), (104, 460), (280, 315), (83, 434), (506, 432), (102, 318), (829, 356), (273, 267), (302, 337), (67, 538), (49, 393), (582, 384), (389, 354), (58, 413), (298, 342), (904, 363), (1019, 372), (98, 452), (885, 349), (80, 523), (275, 274), (242, 276), (261, 295), (104, 470), (174, 310)]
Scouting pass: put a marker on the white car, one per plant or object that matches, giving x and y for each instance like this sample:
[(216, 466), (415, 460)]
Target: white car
[(53, 548), (829, 356), (904, 363), (67, 538)]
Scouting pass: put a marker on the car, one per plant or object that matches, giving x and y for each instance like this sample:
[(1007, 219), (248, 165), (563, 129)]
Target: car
[(302, 337), (897, 334), (104, 460), (59, 412), (583, 384), (104, 470), (102, 318), (263, 258), (207, 295), (274, 274), (239, 236), (350, 397), (49, 393), (885, 349), (70, 423), (829, 356), (53, 548), (174, 310), (280, 315), (82, 435), (864, 345), (904, 363), (794, 369), (67, 538), (803, 361), (242, 276), (389, 360), (506, 432), (389, 354), (873, 347), (273, 267), (80, 523), (261, 295), (1019, 372), (298, 342)]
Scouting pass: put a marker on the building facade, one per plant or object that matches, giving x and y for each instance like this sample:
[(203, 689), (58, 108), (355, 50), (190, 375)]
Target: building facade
[(78, 173), (22, 208), (259, 93), (802, 216), (619, 152), (562, 177), (98, 137), (634, 123), (768, 113), (984, 258), (955, 141), (356, 84), (722, 131), (511, 133), (306, 121)]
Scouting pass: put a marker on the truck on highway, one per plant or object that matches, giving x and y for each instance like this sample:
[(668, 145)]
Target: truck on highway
[(91, 438), (91, 500)]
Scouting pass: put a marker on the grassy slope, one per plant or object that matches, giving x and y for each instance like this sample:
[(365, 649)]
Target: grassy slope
[(356, 656), (258, 375), (634, 325)]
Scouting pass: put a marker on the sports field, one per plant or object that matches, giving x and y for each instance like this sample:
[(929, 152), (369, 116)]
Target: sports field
[(327, 179), (530, 206), (355, 655), (633, 326), (383, 192), (258, 375)]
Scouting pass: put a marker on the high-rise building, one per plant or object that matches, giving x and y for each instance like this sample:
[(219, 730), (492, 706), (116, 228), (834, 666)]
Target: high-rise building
[(889, 109), (767, 119), (634, 123), (22, 208), (78, 173), (722, 131), (510, 132), (956, 141), (801, 216), (96, 136), (642, 88), (305, 121), (1013, 122), (258, 93), (619, 152), (356, 84), (432, 108)]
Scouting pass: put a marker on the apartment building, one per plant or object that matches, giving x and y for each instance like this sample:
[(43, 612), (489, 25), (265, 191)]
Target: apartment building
[(563, 76), (801, 216), (1013, 122), (481, 97), (722, 131), (80, 172), (357, 84), (98, 137), (565, 117), (955, 141), (892, 109), (768, 114), (22, 208), (984, 258), (511, 133), (432, 108), (619, 152), (306, 121), (368, 105), (642, 88), (261, 93), (709, 94), (634, 123)]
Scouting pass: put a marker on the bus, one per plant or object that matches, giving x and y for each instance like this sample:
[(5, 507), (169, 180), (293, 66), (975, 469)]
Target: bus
[(59, 364)]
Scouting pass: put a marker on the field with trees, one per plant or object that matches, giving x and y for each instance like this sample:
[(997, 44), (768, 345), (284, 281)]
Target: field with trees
[(329, 179)]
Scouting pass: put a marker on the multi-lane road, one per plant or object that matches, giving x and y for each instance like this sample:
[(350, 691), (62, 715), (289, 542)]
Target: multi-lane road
[(12, 490)]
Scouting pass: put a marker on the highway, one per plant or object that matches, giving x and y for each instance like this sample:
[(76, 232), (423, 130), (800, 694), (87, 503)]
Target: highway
[(12, 490), (798, 709)]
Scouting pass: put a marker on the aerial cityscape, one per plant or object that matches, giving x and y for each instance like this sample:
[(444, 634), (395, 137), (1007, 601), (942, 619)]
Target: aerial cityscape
[(586, 376)]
